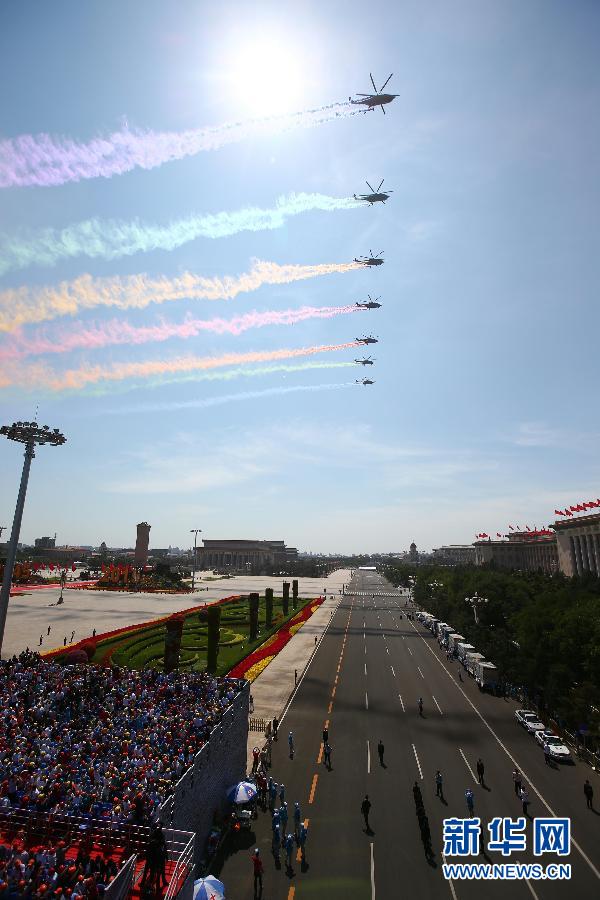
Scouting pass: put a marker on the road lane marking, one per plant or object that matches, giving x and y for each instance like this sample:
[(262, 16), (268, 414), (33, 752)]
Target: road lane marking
[(580, 850), (368, 757), (468, 766), (313, 788), (365, 668), (366, 700), (333, 693), (417, 759), (372, 873), (393, 673), (450, 883), (402, 702), (410, 651), (329, 709), (292, 890), (420, 673), (531, 889), (365, 649), (438, 705)]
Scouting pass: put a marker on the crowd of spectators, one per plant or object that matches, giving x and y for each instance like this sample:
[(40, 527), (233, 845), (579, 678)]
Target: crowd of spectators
[(101, 742), (43, 873)]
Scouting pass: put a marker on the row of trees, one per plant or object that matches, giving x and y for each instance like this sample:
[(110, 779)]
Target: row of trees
[(542, 632)]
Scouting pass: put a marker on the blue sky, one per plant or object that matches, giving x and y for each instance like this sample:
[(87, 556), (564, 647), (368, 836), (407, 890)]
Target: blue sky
[(484, 411)]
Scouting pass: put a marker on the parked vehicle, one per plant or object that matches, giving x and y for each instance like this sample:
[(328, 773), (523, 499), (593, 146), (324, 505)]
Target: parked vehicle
[(486, 675), (529, 720), (556, 749), (471, 659), (453, 640), (462, 649)]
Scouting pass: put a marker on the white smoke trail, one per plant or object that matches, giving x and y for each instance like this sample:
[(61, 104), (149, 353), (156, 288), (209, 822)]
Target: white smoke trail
[(111, 239), (45, 161)]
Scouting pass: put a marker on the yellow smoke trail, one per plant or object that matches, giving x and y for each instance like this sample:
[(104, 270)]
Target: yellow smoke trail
[(76, 379), (26, 305)]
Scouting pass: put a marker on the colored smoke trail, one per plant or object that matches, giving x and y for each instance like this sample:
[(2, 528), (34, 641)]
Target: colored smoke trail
[(38, 376), (109, 239), (25, 305), (114, 332), (228, 375), (229, 398), (44, 161)]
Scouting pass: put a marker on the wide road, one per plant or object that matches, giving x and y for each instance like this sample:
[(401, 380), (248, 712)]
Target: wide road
[(372, 666)]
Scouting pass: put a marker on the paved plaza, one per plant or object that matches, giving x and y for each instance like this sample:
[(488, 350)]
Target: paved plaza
[(32, 611)]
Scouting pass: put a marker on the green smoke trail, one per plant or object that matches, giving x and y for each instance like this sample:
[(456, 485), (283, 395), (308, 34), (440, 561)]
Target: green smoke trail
[(111, 239)]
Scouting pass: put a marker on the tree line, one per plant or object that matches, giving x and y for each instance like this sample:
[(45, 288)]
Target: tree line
[(542, 632)]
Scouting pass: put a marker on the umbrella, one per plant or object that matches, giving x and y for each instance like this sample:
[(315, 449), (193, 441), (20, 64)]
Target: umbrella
[(209, 888), (242, 792)]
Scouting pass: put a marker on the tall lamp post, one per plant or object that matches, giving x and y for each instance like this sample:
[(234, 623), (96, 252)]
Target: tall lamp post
[(476, 601), (30, 434), (195, 532)]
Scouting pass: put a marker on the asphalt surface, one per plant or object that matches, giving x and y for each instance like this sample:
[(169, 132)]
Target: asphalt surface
[(365, 680)]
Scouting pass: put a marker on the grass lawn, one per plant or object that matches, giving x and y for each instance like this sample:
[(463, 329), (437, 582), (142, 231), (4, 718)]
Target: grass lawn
[(145, 647)]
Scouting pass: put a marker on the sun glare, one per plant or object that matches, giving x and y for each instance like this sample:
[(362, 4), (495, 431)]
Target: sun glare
[(267, 77)]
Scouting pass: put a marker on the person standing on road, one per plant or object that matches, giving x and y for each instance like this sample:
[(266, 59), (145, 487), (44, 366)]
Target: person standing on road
[(281, 793), (525, 801), (365, 810), (289, 849), (291, 744), (588, 790), (283, 817), (517, 781), (470, 800), (258, 868), (420, 706), (272, 793), (297, 819), (275, 727), (325, 735), (380, 750), (439, 785), (327, 755), (303, 834), (480, 770)]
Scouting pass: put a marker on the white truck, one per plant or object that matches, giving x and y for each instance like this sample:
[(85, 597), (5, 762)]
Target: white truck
[(462, 649), (446, 631), (471, 659), (438, 628), (486, 675), (453, 640)]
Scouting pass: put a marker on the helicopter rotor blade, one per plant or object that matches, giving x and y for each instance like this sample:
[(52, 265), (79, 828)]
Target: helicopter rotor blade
[(373, 83), (364, 95), (383, 110), (380, 183), (383, 86), (370, 188)]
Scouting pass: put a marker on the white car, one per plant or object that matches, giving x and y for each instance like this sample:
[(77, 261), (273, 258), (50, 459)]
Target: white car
[(542, 736), (556, 749), (528, 719)]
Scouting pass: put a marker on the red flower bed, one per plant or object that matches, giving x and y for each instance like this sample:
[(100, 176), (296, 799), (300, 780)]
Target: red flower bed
[(272, 647), (131, 629)]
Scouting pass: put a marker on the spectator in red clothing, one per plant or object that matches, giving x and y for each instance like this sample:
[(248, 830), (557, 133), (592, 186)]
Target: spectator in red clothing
[(257, 864)]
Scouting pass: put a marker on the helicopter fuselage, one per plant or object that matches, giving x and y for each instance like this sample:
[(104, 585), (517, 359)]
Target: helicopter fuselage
[(376, 99)]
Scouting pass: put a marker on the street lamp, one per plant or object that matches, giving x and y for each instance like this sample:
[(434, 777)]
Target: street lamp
[(475, 601), (195, 532), (30, 434)]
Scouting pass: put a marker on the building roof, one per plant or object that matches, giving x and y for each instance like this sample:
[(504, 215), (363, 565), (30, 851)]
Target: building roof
[(576, 522)]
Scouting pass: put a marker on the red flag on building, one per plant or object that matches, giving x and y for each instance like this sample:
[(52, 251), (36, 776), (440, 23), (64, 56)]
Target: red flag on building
[(558, 512), (484, 535), (568, 512), (512, 527), (73, 567), (498, 534), (528, 528)]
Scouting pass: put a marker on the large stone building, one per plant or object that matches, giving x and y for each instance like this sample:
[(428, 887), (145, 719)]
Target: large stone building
[(454, 555), (244, 556), (578, 542), (523, 551)]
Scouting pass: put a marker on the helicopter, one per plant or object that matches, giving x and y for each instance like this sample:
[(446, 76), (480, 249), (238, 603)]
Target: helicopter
[(376, 99), (364, 381), (370, 260), (377, 196), (365, 361), (372, 304), (367, 340)]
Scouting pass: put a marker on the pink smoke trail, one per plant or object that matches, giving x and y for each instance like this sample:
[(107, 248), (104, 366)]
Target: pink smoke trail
[(93, 337), (40, 376), (45, 161), (25, 305)]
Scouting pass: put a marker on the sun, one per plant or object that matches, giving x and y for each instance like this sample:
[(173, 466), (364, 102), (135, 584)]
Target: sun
[(266, 77)]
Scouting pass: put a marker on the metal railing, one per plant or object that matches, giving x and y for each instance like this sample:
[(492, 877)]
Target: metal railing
[(182, 880), (121, 885)]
